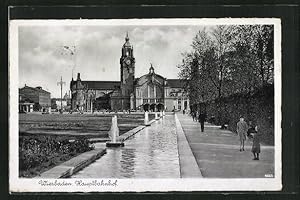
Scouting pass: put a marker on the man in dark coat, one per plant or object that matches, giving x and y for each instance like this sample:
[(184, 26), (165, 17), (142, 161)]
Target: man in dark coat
[(202, 118)]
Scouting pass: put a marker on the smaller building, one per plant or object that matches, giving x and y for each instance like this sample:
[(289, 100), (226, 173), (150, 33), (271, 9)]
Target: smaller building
[(56, 103), (65, 103), (40, 98), (25, 104)]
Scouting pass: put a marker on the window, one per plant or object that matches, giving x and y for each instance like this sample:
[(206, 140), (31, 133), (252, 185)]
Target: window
[(159, 100)]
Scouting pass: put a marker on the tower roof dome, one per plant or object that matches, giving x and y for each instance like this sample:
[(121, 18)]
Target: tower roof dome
[(127, 43), (151, 69)]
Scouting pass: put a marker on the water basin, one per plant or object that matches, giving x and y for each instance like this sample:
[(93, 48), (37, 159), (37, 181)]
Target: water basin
[(151, 153)]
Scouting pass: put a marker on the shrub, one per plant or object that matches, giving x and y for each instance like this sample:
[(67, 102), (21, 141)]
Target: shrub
[(36, 151)]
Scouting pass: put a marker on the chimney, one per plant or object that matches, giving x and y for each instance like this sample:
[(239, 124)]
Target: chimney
[(78, 76)]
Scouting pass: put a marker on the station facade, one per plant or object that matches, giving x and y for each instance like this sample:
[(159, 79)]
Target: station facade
[(150, 92)]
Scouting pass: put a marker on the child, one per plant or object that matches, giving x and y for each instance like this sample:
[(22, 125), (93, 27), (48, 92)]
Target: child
[(256, 144)]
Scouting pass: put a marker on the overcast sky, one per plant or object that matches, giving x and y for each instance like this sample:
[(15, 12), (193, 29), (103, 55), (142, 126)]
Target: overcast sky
[(98, 49)]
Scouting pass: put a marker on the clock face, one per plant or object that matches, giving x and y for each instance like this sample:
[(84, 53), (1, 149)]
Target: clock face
[(128, 62)]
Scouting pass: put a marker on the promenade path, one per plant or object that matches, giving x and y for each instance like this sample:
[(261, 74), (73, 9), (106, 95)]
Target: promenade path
[(217, 152)]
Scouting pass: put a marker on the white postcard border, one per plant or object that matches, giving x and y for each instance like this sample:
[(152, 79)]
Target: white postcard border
[(17, 184)]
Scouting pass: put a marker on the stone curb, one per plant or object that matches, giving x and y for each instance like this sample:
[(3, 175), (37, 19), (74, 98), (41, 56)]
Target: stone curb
[(187, 162), (96, 140), (73, 165), (153, 120), (132, 132)]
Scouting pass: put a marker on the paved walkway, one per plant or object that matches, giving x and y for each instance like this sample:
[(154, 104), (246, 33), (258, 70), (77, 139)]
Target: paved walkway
[(217, 152)]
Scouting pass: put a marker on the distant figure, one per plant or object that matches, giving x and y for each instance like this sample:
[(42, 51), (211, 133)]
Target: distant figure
[(241, 129), (194, 115), (256, 144), (224, 126), (183, 111), (201, 118)]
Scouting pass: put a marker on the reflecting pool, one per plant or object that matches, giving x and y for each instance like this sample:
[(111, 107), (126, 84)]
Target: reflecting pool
[(151, 153)]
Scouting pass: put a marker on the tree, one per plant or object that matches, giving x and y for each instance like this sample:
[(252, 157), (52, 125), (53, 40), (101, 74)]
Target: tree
[(227, 60), (253, 56), (195, 68), (190, 75)]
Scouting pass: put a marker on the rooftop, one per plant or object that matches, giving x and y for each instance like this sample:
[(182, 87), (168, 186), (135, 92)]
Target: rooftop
[(39, 89), (102, 85), (175, 83)]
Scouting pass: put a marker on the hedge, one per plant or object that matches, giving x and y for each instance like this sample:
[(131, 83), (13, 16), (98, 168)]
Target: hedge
[(38, 153), (256, 106)]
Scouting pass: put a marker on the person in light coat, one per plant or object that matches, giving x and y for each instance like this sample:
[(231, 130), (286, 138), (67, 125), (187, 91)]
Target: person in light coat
[(241, 129)]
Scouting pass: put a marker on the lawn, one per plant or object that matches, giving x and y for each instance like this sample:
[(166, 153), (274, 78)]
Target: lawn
[(46, 140), (88, 125)]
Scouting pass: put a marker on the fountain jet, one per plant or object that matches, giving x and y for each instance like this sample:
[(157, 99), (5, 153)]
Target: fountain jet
[(156, 116), (146, 121), (114, 134)]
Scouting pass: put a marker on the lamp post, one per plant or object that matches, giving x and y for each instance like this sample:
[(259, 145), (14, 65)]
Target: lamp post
[(70, 50), (61, 83)]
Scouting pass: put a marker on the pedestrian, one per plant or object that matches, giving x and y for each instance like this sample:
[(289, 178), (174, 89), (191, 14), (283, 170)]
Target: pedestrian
[(194, 115), (256, 143), (241, 129), (201, 118)]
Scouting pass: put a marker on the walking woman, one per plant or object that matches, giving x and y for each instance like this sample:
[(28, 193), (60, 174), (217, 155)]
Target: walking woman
[(256, 143), (241, 129)]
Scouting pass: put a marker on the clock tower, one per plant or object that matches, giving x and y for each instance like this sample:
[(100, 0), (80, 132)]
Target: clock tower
[(127, 68)]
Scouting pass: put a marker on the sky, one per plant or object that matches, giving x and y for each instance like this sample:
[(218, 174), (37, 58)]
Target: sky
[(43, 60)]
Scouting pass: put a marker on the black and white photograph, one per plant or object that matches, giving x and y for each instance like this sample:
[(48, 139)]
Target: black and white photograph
[(140, 105)]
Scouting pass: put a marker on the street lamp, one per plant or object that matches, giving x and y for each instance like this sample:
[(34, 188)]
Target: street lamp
[(70, 50), (61, 83)]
